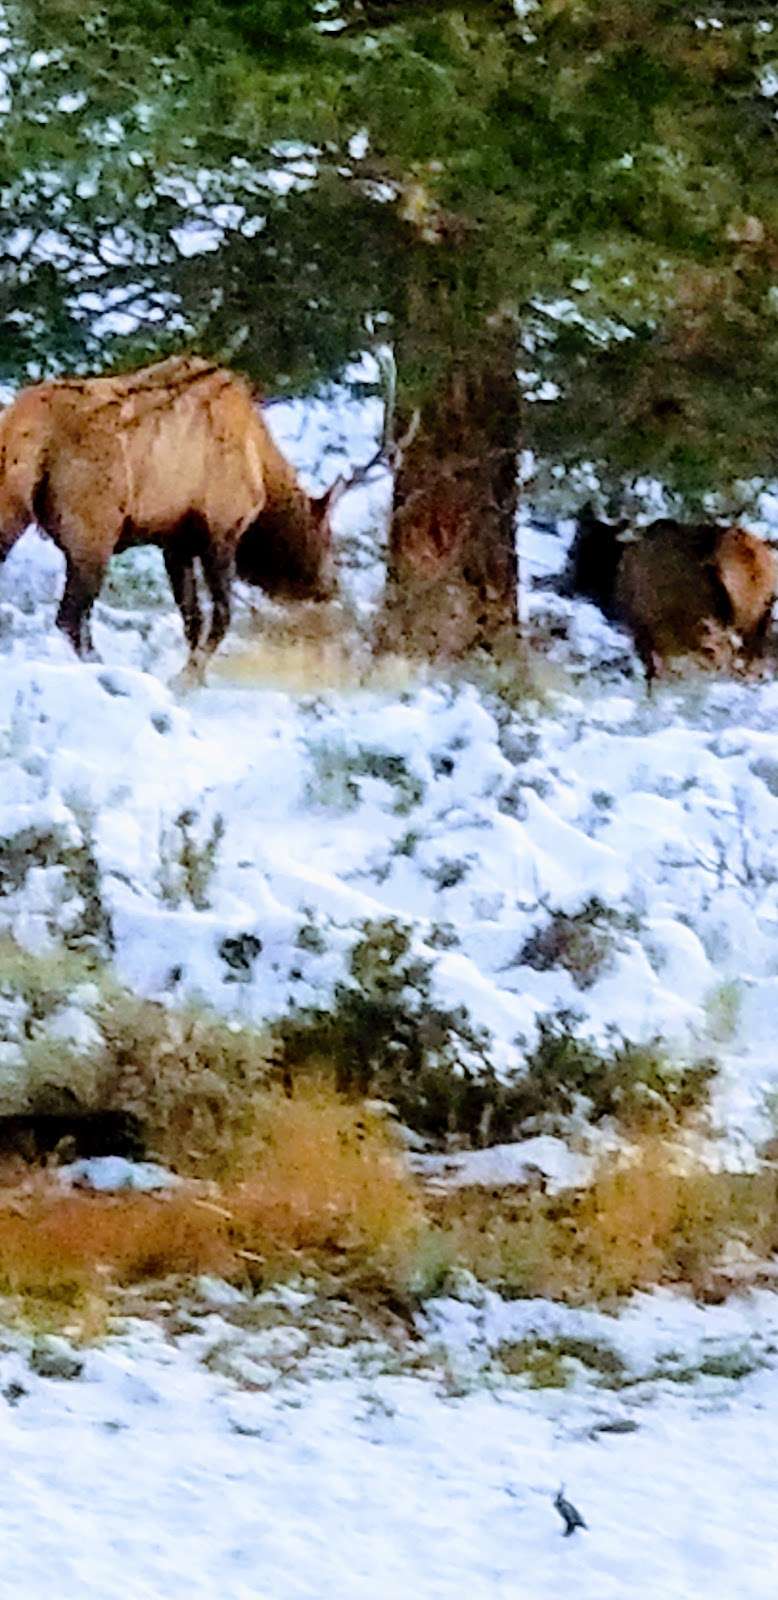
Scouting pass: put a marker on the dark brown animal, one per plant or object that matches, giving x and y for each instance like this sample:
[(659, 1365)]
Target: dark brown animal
[(178, 455), (700, 590)]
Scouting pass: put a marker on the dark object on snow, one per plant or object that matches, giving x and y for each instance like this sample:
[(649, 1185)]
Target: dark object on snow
[(14, 1392), (571, 1518), (38, 1136), (239, 954)]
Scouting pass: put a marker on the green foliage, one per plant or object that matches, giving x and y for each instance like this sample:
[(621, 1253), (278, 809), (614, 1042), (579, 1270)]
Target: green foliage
[(43, 982), (337, 772), (602, 176), (61, 846), (187, 1075), (188, 861), (384, 1034), (638, 1084), (551, 1363), (722, 1010)]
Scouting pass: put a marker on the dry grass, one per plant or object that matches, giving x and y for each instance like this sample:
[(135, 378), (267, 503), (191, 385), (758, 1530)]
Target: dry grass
[(61, 1246), (317, 1183), (305, 666), (638, 1224), (315, 1178), (320, 1172)]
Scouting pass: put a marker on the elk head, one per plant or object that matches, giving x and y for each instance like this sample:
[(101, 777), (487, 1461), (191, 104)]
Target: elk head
[(288, 550)]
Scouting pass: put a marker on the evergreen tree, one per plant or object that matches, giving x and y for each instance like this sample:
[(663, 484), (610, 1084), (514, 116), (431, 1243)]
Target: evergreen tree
[(584, 190)]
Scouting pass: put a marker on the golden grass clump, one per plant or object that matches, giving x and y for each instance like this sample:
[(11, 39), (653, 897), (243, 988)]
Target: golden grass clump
[(307, 666), (643, 1221), (315, 1177), (320, 1172), (59, 1246)]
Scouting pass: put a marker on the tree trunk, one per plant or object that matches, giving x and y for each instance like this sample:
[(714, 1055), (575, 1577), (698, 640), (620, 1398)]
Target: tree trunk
[(452, 578)]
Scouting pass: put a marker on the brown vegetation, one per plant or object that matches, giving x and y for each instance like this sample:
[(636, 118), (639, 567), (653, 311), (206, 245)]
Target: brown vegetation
[(647, 1219), (322, 1188), (313, 1179)]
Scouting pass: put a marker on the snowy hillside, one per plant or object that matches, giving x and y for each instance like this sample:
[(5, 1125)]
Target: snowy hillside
[(595, 853), (586, 854)]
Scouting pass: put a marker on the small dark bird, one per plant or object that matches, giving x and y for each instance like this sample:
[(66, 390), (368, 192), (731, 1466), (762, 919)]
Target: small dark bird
[(571, 1518)]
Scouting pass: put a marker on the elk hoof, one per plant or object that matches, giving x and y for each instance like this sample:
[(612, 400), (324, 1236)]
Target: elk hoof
[(191, 677)]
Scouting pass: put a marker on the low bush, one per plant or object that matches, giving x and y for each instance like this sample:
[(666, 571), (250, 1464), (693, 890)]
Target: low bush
[(640, 1085), (582, 943), (188, 1075), (641, 1222), (312, 1179)]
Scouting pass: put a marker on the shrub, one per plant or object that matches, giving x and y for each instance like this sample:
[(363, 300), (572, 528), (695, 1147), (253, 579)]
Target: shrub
[(581, 943), (337, 772), (187, 863), (722, 1010), (550, 1363), (187, 1075), (136, 580), (640, 1222), (311, 1178), (639, 1084), (74, 852), (385, 1035), (318, 1174)]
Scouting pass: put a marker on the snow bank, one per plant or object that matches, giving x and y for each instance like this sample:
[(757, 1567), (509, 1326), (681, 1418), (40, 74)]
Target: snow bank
[(153, 1474)]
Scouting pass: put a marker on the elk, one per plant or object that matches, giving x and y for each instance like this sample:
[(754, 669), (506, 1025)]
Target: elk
[(178, 455), (678, 590)]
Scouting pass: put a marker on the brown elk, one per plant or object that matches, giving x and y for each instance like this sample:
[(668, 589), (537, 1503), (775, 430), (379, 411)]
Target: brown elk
[(176, 454), (701, 589)]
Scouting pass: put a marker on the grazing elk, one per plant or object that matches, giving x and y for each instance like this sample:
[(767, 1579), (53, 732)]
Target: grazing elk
[(679, 590), (176, 454)]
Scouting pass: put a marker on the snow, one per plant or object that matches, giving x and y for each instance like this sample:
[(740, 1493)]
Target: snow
[(108, 1174), (296, 1457), (154, 1474), (433, 803), (503, 1165)]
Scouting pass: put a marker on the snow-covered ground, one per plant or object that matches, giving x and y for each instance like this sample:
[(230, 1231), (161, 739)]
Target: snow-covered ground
[(246, 1459), (474, 822), (163, 1472)]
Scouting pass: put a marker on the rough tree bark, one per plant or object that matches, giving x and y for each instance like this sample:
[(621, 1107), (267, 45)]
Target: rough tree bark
[(452, 573)]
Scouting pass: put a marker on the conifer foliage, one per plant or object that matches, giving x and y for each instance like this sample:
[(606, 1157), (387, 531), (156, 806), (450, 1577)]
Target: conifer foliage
[(583, 191)]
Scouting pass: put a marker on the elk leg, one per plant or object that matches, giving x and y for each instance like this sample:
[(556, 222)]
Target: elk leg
[(218, 571), (7, 541), (756, 646), (179, 565), (82, 586)]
